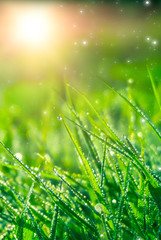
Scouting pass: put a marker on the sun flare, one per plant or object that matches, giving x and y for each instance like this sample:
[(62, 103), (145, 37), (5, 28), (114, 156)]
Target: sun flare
[(32, 28)]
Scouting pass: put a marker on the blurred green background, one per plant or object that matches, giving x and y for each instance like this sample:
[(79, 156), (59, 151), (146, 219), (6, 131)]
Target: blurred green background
[(92, 42)]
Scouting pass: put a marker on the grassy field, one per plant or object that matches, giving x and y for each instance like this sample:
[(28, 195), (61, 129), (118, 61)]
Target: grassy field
[(80, 142), (79, 166)]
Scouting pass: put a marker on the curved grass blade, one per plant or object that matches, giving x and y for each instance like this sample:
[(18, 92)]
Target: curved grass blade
[(21, 220), (135, 221), (36, 226), (85, 162), (103, 165), (112, 146), (131, 147), (154, 88), (78, 194), (11, 192), (134, 159), (52, 195), (87, 167), (87, 138), (104, 123), (138, 110), (9, 207), (122, 200), (54, 221), (156, 194), (90, 175)]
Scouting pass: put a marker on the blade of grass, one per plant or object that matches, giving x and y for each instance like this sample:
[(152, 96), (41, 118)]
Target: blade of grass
[(103, 165), (154, 88), (156, 194), (77, 193), (122, 200), (134, 159), (85, 162), (90, 174), (54, 221), (21, 220), (88, 140), (138, 110), (52, 195), (104, 123)]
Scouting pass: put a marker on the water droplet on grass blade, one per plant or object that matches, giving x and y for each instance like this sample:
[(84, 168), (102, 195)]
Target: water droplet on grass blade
[(18, 156), (114, 201), (111, 153), (99, 207), (59, 118), (130, 80)]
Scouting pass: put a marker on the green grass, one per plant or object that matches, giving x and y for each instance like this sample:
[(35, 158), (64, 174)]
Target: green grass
[(90, 166)]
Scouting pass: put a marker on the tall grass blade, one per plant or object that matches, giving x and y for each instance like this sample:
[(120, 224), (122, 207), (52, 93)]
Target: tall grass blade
[(139, 230), (156, 195), (85, 162), (21, 220), (36, 226), (134, 159), (82, 197), (103, 165), (87, 138), (154, 88), (54, 221), (104, 123), (89, 172), (122, 201), (138, 110), (52, 195)]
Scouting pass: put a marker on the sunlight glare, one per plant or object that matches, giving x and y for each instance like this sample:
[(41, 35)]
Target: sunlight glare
[(32, 28)]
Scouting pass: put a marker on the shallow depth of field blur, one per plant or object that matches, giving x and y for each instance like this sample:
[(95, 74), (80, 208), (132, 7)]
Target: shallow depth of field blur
[(44, 45)]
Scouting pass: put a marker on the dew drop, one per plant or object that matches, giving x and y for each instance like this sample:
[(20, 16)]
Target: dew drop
[(130, 80), (111, 153), (114, 201), (59, 118), (19, 156), (99, 207)]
